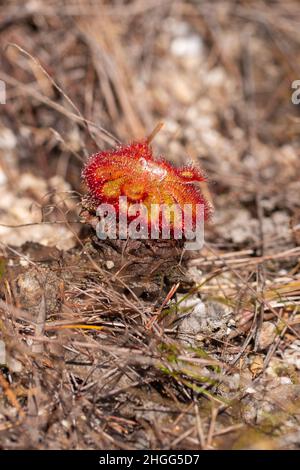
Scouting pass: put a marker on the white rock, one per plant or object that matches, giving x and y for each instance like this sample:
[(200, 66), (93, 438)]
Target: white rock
[(6, 360), (267, 335), (191, 46), (8, 139), (2, 353), (285, 380), (3, 178)]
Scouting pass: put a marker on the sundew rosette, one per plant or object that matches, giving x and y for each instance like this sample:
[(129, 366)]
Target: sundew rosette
[(138, 186)]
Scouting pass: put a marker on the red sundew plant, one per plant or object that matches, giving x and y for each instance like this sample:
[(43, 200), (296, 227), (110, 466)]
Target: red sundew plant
[(132, 171)]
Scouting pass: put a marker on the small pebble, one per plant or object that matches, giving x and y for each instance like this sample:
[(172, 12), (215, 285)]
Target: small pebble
[(2, 353), (110, 264)]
